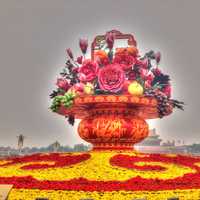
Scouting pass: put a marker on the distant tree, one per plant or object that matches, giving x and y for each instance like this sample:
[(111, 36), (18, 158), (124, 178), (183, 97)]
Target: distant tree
[(50, 148), (66, 148), (194, 148), (34, 150), (42, 149), (80, 147)]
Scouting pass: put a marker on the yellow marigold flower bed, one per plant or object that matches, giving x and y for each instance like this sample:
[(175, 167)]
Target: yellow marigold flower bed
[(102, 175), (116, 195)]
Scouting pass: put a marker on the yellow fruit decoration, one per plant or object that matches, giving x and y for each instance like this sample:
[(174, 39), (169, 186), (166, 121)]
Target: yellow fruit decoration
[(135, 88), (88, 88)]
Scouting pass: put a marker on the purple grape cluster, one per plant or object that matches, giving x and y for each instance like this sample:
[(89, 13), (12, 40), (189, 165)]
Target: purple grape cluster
[(163, 102)]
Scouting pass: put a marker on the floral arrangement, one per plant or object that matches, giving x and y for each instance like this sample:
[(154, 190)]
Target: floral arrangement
[(106, 174), (120, 71)]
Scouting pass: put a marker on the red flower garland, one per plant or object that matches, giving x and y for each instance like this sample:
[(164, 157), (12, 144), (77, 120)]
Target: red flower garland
[(60, 161), (128, 162)]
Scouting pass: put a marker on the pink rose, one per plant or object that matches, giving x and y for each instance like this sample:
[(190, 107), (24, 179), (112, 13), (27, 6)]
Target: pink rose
[(111, 78), (89, 70), (63, 84)]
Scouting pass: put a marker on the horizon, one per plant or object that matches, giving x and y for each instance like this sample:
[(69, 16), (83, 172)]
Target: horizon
[(85, 143)]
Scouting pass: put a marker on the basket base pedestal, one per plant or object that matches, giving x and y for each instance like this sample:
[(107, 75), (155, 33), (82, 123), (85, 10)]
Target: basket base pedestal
[(115, 132)]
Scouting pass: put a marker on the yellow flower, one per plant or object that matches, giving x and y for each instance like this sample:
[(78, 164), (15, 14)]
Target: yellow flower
[(25, 194)]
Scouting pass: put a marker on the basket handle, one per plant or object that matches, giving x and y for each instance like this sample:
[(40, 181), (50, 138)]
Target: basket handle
[(118, 35)]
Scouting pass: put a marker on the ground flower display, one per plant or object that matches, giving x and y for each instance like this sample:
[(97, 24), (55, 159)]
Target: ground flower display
[(102, 175)]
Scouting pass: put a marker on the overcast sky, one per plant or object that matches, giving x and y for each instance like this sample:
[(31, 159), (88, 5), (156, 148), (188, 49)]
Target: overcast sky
[(33, 38)]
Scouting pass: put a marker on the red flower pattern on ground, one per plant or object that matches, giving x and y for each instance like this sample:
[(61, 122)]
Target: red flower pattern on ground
[(59, 161), (187, 181)]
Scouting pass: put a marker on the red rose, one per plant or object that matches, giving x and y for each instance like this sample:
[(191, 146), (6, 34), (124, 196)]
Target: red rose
[(131, 75), (127, 61), (148, 80), (89, 69), (143, 73), (111, 78), (63, 84), (147, 84), (156, 71), (142, 63), (150, 77)]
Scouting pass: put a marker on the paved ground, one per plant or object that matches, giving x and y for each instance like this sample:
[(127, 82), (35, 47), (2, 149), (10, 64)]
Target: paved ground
[(4, 190)]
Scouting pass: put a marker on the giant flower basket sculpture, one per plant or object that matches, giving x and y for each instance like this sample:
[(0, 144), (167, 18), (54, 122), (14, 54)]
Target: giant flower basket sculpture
[(114, 92)]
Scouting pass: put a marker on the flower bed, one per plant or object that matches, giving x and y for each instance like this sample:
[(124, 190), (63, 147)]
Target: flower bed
[(103, 173)]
